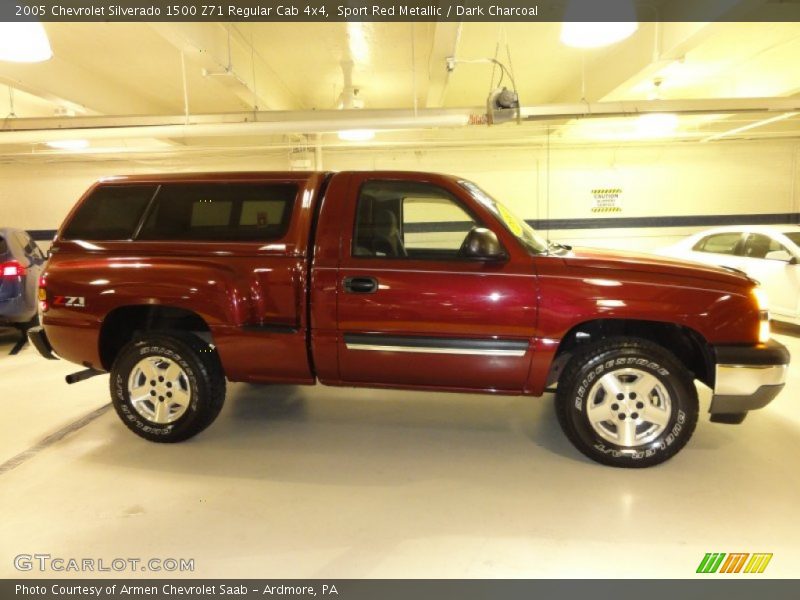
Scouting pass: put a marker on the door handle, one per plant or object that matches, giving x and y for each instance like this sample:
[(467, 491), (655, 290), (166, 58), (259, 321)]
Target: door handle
[(360, 285)]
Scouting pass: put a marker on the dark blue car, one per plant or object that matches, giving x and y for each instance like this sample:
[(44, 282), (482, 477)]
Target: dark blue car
[(21, 264)]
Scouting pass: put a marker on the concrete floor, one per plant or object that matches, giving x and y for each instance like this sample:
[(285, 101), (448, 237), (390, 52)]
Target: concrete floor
[(328, 483)]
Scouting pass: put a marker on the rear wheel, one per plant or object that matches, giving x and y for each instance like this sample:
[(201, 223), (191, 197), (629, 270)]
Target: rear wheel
[(167, 387), (627, 402)]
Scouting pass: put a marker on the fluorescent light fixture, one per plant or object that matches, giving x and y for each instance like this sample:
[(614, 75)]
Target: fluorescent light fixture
[(356, 135), (654, 125), (596, 35), (24, 43), (585, 34), (72, 145)]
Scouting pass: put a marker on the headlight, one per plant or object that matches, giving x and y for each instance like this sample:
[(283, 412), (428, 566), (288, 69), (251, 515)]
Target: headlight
[(762, 301)]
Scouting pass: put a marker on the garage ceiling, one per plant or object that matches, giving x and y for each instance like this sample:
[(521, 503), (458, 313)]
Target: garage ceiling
[(123, 69)]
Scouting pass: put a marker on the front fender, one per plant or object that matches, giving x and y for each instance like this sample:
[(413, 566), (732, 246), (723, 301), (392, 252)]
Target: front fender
[(720, 313)]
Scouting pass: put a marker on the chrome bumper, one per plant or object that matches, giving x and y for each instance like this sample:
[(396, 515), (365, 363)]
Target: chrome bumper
[(748, 377)]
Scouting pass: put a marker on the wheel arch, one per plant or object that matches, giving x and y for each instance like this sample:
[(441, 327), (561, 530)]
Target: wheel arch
[(685, 343), (122, 324)]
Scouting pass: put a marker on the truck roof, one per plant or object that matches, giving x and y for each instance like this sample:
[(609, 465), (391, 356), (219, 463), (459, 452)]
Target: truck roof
[(211, 176), (240, 175)]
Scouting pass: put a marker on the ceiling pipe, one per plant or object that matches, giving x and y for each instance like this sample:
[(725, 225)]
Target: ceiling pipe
[(332, 118), (33, 131), (710, 106), (245, 129), (348, 99), (332, 146)]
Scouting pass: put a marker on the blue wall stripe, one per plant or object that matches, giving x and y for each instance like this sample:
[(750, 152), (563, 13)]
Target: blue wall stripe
[(42, 235), (590, 223), (672, 221), (629, 222)]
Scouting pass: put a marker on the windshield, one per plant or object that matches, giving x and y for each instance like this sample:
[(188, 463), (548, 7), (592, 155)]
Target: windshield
[(794, 236), (521, 230)]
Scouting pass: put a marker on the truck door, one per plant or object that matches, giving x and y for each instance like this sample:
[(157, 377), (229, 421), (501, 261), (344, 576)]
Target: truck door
[(411, 311)]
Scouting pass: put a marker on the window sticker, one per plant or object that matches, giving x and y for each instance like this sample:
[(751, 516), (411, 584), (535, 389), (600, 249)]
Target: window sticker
[(509, 220)]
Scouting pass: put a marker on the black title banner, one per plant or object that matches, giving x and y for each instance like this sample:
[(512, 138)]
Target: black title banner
[(396, 10), (373, 589)]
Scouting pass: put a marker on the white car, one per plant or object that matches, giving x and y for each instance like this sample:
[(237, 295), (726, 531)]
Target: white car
[(769, 254)]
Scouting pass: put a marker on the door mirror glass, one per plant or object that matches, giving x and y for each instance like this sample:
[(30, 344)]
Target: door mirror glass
[(482, 244)]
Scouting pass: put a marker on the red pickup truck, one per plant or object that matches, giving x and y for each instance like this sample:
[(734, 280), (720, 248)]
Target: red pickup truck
[(175, 283)]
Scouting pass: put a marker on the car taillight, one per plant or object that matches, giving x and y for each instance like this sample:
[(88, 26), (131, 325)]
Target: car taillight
[(12, 269)]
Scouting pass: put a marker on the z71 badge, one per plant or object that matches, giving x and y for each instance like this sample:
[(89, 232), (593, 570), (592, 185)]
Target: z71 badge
[(76, 301)]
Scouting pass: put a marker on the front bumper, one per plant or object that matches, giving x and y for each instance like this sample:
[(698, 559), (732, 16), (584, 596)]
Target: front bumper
[(38, 338), (748, 377)]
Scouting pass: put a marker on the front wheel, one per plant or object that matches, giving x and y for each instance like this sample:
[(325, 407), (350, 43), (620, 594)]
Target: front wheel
[(627, 402), (167, 387)]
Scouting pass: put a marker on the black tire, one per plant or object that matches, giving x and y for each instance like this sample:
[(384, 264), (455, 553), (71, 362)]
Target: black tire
[(202, 375), (630, 360)]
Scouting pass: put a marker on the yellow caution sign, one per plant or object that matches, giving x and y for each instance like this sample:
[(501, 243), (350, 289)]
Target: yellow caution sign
[(606, 200)]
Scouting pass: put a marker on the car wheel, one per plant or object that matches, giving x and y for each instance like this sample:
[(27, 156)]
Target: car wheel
[(627, 402), (167, 387)]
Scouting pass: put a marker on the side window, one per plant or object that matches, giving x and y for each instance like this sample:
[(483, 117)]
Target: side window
[(237, 212), (719, 243), (758, 245), (112, 212), (259, 213), (37, 252), (210, 213), (23, 242), (434, 224), (400, 219), (28, 245)]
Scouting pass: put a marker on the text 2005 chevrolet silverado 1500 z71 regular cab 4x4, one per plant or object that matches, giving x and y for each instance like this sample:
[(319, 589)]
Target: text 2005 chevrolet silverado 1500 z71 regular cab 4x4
[(174, 284)]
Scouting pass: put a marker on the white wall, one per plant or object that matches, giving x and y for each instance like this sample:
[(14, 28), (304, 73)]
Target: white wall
[(678, 180)]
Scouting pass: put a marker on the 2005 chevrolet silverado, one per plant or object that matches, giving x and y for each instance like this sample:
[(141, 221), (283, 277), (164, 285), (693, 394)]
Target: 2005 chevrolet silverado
[(174, 284)]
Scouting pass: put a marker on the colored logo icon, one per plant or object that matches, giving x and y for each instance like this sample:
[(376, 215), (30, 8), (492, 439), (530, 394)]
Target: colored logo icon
[(735, 562)]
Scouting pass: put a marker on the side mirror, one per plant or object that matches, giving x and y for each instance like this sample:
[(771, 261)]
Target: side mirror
[(482, 244)]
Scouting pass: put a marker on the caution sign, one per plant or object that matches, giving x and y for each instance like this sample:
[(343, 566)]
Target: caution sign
[(607, 200)]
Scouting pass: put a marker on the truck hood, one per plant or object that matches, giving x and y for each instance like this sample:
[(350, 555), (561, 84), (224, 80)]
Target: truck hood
[(596, 258)]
